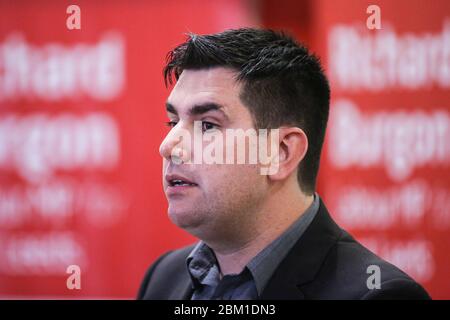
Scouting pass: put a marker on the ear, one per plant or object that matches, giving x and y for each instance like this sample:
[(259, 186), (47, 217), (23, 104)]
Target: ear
[(292, 147)]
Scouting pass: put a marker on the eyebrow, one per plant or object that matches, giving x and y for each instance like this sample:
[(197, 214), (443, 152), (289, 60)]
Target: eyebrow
[(198, 109)]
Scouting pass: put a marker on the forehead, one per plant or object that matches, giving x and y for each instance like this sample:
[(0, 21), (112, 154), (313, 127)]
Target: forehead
[(216, 85)]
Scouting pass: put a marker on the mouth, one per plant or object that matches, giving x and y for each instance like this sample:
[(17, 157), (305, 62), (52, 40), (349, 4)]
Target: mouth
[(178, 183)]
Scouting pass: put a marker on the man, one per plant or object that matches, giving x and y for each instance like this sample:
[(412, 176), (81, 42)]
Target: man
[(263, 236)]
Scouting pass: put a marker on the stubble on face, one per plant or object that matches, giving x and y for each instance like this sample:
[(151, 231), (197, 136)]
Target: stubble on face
[(225, 203)]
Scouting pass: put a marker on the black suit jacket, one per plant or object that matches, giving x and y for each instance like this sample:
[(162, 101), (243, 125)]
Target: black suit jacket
[(325, 263)]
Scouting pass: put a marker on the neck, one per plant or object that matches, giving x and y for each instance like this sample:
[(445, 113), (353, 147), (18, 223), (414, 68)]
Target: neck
[(277, 215)]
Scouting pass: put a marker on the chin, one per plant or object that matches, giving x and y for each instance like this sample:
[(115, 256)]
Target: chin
[(184, 218)]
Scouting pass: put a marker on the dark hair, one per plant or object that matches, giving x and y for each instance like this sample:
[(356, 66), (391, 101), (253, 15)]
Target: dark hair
[(283, 84)]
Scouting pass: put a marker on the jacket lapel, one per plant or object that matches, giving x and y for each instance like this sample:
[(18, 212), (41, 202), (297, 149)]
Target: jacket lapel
[(304, 260), (183, 290)]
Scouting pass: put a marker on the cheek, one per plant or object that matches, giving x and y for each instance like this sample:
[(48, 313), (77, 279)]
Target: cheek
[(231, 179)]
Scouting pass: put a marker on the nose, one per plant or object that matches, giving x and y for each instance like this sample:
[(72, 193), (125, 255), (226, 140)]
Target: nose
[(176, 145)]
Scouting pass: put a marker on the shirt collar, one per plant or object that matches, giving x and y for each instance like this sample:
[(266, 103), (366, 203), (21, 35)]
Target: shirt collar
[(264, 264), (202, 266), (202, 263)]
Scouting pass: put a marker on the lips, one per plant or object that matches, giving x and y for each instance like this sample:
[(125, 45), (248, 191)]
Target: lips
[(176, 180)]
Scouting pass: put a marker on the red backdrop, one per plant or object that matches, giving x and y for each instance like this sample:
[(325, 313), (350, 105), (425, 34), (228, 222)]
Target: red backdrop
[(81, 120)]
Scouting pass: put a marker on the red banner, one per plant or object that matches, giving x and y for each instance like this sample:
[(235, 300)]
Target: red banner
[(81, 120), (385, 175)]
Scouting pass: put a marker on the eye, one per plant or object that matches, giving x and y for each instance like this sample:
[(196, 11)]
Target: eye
[(208, 126), (171, 124)]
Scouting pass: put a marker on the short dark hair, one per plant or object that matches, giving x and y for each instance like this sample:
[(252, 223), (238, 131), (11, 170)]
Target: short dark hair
[(283, 84)]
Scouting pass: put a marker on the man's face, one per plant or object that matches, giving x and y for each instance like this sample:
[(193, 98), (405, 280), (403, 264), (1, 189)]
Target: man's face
[(213, 198)]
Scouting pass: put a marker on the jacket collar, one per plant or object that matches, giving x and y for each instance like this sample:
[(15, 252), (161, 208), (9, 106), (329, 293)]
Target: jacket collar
[(299, 267), (305, 259), (184, 289)]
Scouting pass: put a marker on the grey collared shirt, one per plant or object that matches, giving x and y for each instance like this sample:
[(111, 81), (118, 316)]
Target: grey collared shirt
[(250, 283)]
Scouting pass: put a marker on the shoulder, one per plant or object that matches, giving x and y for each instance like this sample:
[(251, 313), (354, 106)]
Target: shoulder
[(351, 271), (168, 268)]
